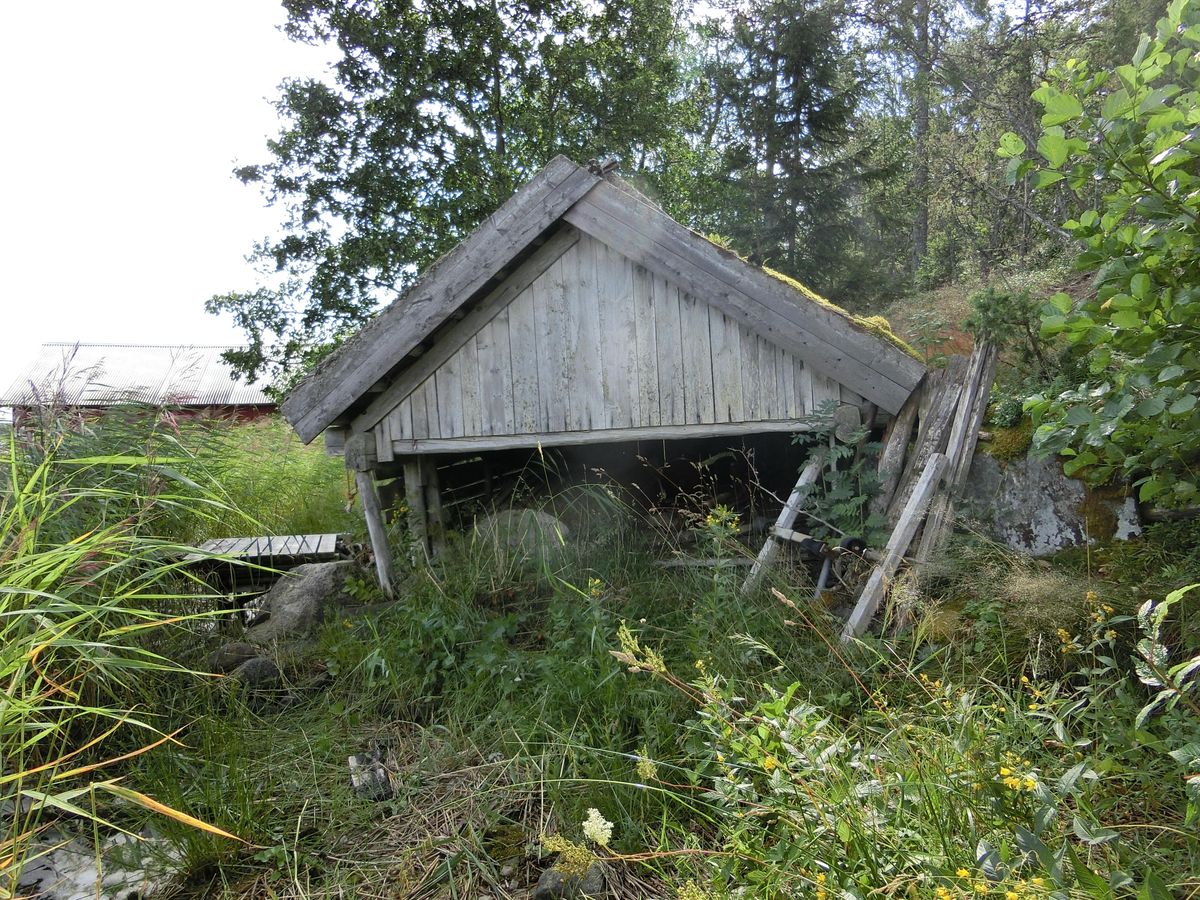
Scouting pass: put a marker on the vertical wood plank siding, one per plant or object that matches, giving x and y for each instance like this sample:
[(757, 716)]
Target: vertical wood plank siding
[(598, 342)]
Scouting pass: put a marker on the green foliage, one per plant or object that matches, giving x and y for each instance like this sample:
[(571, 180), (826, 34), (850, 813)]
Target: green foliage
[(435, 113), (849, 478), (83, 581), (1011, 320), (1137, 416)]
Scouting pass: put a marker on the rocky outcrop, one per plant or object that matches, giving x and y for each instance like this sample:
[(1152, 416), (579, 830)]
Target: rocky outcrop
[(1030, 506)]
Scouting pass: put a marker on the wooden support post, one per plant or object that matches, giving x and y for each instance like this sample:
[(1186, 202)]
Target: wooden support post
[(433, 505), (893, 555), (787, 518), (374, 516), (418, 522)]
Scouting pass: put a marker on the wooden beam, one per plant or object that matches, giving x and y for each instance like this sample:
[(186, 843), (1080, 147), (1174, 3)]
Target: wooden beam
[(335, 441), (360, 452), (895, 446), (433, 505), (421, 446), (823, 337), (787, 518), (375, 530), (906, 529), (467, 328), (344, 377), (418, 521)]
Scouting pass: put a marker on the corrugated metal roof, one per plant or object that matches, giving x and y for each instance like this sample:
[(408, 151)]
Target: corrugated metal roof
[(108, 374)]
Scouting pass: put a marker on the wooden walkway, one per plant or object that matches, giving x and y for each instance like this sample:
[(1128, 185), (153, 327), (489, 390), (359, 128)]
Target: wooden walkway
[(309, 547)]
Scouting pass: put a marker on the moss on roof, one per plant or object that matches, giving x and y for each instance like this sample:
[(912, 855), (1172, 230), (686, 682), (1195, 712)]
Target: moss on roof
[(876, 325)]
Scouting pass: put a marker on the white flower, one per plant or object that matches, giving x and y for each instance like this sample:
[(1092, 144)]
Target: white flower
[(597, 828)]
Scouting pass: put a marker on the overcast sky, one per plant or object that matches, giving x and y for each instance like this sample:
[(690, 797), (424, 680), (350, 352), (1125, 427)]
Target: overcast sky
[(124, 119)]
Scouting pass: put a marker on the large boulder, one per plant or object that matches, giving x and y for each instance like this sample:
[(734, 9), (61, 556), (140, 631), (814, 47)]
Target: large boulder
[(1029, 505), (523, 535), (301, 600)]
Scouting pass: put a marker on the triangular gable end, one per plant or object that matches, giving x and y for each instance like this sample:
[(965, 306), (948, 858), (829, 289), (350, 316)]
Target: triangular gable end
[(606, 243), (589, 340)]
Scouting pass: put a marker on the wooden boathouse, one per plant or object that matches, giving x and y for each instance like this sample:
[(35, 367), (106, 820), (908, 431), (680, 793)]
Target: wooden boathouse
[(580, 313)]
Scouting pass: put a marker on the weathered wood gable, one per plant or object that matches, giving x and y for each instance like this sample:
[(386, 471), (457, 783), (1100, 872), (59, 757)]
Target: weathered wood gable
[(580, 311), (595, 342)]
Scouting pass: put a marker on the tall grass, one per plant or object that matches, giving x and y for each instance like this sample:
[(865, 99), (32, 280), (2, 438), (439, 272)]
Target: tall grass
[(82, 580)]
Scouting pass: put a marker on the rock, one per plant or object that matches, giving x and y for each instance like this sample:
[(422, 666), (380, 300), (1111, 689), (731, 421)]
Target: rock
[(229, 657), (554, 884), (258, 674), (1032, 507), (301, 600), (64, 868), (524, 535)]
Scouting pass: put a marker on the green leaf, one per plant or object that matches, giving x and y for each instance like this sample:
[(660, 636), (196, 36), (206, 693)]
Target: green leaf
[(1053, 147), (1010, 145), (1061, 108), (1184, 404), (1079, 415), (1062, 301), (1126, 318), (1149, 407), (1071, 466), (1154, 888), (1170, 373), (1045, 178)]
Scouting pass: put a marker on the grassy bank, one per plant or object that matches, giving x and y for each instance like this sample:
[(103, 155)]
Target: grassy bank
[(1000, 747)]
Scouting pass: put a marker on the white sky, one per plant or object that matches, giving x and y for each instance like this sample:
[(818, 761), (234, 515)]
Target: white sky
[(120, 213)]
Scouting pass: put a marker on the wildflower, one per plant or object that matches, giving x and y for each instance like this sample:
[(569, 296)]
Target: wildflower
[(1039, 881), (597, 828), (1030, 784), (1024, 679), (1011, 895), (1012, 783), (770, 764), (962, 873), (981, 887), (690, 892), (572, 858), (1111, 634), (646, 769), (595, 586), (1005, 770), (943, 893), (1033, 706)]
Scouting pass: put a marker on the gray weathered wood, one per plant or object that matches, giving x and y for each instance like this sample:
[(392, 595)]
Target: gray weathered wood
[(418, 520), (522, 340), (383, 440), (726, 367), (751, 379), (496, 375), (342, 378), (464, 331), (960, 447), (697, 361), (309, 547), (618, 342), (375, 530), (647, 347), (360, 452), (434, 514), (895, 446), (669, 347), (335, 441), (932, 433), (580, 438), (787, 518), (902, 535), (876, 369)]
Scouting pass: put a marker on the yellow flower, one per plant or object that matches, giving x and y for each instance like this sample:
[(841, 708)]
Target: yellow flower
[(1033, 706), (1039, 881), (942, 893), (1012, 783), (1111, 634), (1005, 770), (1024, 679), (962, 873), (981, 887), (1011, 895), (770, 764)]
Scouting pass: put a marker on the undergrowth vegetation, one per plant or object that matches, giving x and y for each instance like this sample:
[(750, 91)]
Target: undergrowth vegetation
[(1031, 733)]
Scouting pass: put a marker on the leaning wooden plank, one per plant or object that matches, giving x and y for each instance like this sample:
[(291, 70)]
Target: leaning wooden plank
[(787, 518), (418, 521), (891, 460), (375, 530), (932, 435), (344, 376), (901, 537), (960, 448), (466, 329)]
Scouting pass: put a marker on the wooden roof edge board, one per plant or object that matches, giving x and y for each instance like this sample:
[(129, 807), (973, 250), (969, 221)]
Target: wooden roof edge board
[(679, 264), (467, 327), (342, 378), (823, 320), (421, 446)]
